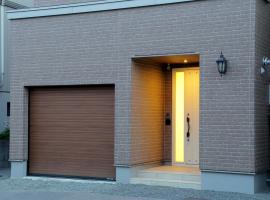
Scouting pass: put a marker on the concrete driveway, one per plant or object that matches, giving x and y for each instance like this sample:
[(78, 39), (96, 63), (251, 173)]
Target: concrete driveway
[(63, 196), (34, 188)]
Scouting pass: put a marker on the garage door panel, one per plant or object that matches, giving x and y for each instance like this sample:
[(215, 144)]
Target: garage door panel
[(72, 131), (74, 139), (105, 121)]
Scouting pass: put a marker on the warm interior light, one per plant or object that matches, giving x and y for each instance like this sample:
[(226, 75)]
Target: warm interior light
[(179, 116), (185, 61)]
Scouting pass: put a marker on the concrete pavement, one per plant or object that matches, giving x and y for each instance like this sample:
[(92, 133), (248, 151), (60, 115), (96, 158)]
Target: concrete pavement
[(36, 188), (64, 196)]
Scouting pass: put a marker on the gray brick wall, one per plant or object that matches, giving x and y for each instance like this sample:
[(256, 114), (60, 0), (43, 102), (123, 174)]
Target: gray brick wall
[(262, 45), (28, 3), (40, 3), (147, 103), (97, 48), (85, 55)]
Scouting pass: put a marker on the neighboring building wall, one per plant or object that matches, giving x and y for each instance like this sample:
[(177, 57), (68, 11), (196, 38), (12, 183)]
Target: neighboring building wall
[(4, 71), (94, 48), (261, 86), (4, 119), (40, 3), (147, 113)]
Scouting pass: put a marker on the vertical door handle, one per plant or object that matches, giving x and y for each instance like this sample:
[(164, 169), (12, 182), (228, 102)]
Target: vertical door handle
[(188, 125)]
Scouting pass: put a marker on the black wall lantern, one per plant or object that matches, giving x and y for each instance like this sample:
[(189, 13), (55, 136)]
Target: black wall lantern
[(265, 63), (222, 64)]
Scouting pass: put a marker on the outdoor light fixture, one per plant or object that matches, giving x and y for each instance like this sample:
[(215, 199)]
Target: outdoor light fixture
[(222, 64), (265, 63), (168, 67)]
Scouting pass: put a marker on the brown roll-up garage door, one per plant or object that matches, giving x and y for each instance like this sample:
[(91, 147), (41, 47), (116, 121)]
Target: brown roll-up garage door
[(71, 131)]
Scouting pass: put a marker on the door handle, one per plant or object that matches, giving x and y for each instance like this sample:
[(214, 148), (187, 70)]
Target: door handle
[(188, 124)]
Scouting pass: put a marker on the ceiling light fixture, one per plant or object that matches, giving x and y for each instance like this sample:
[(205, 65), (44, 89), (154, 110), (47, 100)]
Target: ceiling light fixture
[(168, 67)]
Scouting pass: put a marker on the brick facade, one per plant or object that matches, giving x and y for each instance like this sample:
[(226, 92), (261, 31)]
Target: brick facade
[(147, 113), (40, 3), (96, 48)]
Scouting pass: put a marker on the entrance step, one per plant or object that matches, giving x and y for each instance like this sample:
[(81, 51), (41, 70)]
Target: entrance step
[(169, 176), (169, 183)]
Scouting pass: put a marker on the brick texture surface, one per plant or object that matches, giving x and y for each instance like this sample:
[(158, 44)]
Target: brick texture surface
[(147, 110), (95, 48), (41, 3)]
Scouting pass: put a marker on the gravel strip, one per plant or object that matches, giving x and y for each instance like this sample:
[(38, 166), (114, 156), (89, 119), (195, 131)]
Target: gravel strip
[(142, 191)]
